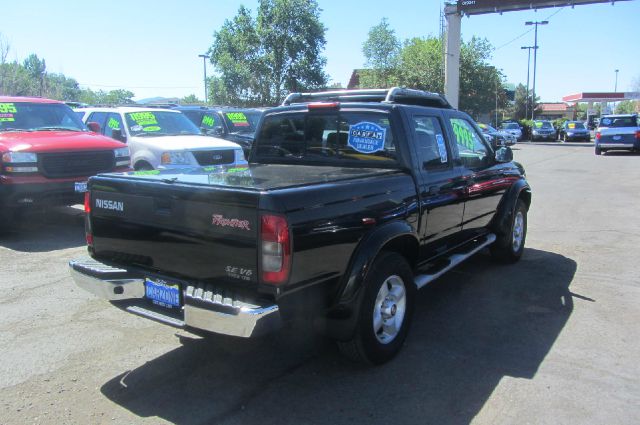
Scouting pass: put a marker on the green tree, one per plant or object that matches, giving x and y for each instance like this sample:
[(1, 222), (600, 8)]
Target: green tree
[(59, 86), (37, 69), (192, 99), (421, 65), (382, 53), (260, 60), (626, 107), (118, 97)]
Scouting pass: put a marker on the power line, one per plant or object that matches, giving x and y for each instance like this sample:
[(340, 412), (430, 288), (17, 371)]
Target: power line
[(527, 32)]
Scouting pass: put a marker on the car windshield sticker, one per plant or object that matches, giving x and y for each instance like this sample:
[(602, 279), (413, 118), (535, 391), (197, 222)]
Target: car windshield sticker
[(442, 149), (463, 135), (572, 125), (366, 137), (151, 128), (605, 121), (208, 121), (6, 112), (537, 124), (113, 124), (146, 173), (143, 118), (238, 119)]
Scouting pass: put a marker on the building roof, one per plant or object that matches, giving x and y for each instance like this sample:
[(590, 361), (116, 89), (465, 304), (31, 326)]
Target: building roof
[(601, 97), (554, 107)]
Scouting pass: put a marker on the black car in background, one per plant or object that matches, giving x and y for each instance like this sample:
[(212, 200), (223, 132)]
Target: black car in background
[(574, 131), (234, 124)]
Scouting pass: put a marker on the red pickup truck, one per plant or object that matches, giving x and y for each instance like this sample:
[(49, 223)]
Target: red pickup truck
[(48, 154)]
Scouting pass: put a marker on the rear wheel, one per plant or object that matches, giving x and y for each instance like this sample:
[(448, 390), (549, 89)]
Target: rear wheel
[(508, 247), (385, 313)]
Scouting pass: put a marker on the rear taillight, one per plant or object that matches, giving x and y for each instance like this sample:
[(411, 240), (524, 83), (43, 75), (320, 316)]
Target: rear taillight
[(87, 202), (638, 134), (598, 135), (88, 234), (275, 249)]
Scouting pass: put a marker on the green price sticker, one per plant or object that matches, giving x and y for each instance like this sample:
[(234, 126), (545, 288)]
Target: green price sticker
[(463, 136), (7, 108), (208, 121), (238, 118), (143, 118), (151, 128), (113, 124), (538, 124)]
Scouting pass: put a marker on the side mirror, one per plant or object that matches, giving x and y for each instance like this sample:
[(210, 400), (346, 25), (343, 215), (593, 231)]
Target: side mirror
[(218, 130), (118, 135), (93, 126), (504, 154)]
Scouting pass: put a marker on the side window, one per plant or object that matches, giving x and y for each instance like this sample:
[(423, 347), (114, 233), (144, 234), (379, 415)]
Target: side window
[(98, 117), (114, 122), (473, 152), (430, 143)]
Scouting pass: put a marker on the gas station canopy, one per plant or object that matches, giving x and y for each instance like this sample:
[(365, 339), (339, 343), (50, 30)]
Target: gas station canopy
[(600, 97), (477, 7)]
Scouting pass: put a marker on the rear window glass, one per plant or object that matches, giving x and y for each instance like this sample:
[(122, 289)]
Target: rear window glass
[(618, 122), (328, 138)]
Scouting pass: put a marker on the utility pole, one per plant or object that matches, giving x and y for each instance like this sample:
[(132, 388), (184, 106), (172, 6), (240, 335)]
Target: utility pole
[(204, 63), (526, 103), (535, 55), (615, 89)]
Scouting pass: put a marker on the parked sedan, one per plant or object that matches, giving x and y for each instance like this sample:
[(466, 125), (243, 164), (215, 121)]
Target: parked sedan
[(573, 131), (542, 130), (495, 137), (512, 128)]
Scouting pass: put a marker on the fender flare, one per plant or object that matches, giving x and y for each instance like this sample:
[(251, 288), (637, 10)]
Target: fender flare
[(501, 221), (342, 317)]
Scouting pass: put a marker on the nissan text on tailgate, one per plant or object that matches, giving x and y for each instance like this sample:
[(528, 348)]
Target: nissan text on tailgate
[(352, 201)]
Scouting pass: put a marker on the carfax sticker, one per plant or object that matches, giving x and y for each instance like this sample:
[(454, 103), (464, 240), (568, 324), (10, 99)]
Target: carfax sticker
[(366, 137), (442, 149)]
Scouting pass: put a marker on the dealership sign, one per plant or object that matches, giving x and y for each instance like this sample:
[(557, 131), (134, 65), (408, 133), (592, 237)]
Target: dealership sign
[(477, 7)]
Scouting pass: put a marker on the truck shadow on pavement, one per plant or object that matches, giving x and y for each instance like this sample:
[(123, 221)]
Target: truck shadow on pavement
[(476, 325), (43, 231)]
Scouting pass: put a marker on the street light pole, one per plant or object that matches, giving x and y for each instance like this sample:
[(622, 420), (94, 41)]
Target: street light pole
[(526, 103), (535, 56), (204, 65), (615, 89)]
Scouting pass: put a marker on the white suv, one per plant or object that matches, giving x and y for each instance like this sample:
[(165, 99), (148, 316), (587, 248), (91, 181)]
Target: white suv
[(162, 138)]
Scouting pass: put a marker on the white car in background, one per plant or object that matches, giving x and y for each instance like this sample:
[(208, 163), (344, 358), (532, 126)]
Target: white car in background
[(162, 138)]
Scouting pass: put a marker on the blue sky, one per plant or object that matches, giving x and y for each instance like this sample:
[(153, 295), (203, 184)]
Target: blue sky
[(152, 47)]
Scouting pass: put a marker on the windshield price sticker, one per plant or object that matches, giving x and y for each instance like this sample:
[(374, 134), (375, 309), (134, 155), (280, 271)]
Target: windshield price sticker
[(151, 128), (113, 124), (366, 137), (572, 125), (238, 119), (463, 135), (442, 149), (143, 118), (208, 121), (6, 112), (537, 124)]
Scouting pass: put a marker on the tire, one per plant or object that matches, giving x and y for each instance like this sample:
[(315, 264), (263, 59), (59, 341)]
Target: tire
[(598, 150), (385, 313), (143, 166), (508, 247)]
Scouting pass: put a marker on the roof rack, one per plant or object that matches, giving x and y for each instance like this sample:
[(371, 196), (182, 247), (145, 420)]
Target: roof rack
[(395, 95)]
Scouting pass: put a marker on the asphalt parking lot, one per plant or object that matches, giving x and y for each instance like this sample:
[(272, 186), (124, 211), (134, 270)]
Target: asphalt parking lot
[(553, 339)]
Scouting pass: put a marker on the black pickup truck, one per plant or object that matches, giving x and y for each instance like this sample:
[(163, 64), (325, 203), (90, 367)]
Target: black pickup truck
[(352, 201)]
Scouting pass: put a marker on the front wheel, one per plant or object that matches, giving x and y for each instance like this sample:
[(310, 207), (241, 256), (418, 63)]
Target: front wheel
[(508, 248), (598, 150), (385, 313)]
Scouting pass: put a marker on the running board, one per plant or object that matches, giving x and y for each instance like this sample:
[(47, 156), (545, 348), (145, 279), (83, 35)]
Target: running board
[(453, 260)]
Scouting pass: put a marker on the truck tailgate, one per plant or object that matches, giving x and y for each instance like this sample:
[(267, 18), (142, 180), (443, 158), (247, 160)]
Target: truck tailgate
[(209, 233)]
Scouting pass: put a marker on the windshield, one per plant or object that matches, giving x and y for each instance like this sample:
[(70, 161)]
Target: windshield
[(38, 116), (511, 126), (159, 123), (618, 122), (542, 124), (244, 120), (575, 126), (327, 138)]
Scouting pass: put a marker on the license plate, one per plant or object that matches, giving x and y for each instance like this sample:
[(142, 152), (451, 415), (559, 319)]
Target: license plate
[(162, 293), (617, 137), (80, 187)]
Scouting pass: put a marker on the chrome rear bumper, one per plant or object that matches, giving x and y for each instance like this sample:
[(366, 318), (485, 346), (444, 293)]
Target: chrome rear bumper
[(205, 306)]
